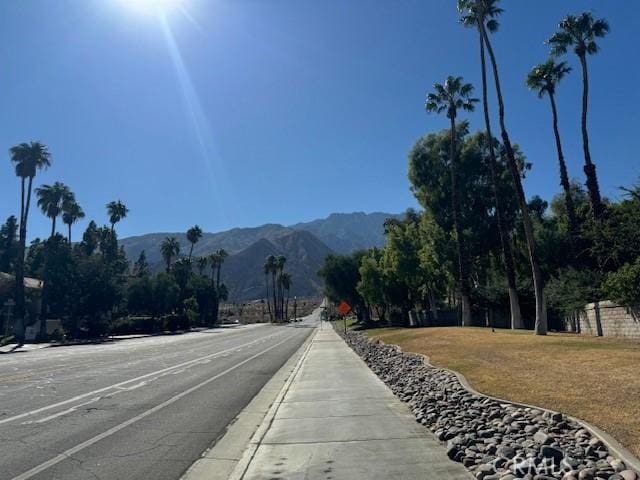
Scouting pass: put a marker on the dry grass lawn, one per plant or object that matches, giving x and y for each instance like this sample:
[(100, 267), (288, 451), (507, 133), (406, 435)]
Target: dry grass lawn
[(596, 379)]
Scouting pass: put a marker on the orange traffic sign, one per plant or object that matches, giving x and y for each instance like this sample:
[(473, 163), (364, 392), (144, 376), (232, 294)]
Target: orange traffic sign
[(344, 308)]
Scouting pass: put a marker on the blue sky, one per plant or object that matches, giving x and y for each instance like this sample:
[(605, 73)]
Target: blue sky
[(243, 112)]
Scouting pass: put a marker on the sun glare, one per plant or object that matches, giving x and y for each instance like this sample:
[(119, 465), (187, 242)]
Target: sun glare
[(152, 7)]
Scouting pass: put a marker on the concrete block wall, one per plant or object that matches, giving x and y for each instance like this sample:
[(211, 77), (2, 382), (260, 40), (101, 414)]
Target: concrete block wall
[(607, 319)]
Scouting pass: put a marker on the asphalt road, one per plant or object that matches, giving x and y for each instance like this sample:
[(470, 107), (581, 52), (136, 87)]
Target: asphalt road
[(136, 409)]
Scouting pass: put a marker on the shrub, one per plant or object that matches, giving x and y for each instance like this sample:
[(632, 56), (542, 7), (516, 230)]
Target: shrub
[(623, 286)]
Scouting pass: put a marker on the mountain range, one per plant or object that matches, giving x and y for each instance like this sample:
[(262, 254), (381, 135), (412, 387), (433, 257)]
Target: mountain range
[(304, 244)]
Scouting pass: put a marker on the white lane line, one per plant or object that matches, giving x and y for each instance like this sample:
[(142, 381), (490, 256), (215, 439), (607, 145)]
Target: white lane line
[(121, 384), (72, 451)]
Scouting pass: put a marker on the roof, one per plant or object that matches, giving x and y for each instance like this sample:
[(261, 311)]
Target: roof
[(32, 283)]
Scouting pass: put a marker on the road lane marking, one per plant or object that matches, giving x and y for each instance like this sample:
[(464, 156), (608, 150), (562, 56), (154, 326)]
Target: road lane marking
[(121, 384), (72, 451)]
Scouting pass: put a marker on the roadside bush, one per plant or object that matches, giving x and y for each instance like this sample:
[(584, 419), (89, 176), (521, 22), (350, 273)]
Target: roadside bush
[(174, 323), (623, 286), (136, 324)]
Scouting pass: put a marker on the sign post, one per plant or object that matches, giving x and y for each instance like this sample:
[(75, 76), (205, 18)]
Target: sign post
[(343, 309)]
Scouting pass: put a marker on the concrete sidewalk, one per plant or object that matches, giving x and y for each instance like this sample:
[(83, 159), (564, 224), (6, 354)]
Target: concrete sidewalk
[(338, 421)]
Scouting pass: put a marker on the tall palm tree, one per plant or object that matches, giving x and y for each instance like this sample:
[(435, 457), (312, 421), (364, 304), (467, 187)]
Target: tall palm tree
[(194, 234), (169, 248), (281, 260), (544, 78), (455, 95), (71, 213), (116, 211), (580, 32), (266, 268), (203, 263), (221, 254), (485, 12), (51, 198), (470, 20), (28, 159), (286, 282), (273, 268), (214, 261)]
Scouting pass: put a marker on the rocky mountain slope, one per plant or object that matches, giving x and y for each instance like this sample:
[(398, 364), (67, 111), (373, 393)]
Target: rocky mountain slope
[(304, 244)]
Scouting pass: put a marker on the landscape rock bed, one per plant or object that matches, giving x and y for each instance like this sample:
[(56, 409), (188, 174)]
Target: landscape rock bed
[(494, 440)]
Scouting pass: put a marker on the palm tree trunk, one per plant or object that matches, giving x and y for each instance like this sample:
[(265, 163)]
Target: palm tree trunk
[(191, 251), (589, 168), (53, 227), (538, 283), (218, 275), (275, 304), (455, 203), (507, 255), (574, 229), (266, 277), (286, 308), (19, 277)]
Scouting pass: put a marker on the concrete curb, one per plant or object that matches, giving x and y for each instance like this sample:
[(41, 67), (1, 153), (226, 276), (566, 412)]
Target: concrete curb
[(233, 451), (611, 443)]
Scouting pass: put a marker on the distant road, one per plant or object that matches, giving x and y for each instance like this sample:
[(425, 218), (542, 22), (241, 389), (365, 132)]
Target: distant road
[(136, 409)]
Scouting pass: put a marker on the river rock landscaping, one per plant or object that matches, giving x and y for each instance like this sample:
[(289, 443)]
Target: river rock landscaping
[(494, 440)]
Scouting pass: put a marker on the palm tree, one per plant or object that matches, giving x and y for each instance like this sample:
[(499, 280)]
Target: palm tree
[(28, 159), (220, 254), (471, 20), (455, 95), (51, 199), (203, 263), (71, 213), (169, 248), (580, 32), (194, 234), (116, 211), (485, 12), (280, 262), (544, 78), (286, 282), (266, 268), (271, 264), (214, 261)]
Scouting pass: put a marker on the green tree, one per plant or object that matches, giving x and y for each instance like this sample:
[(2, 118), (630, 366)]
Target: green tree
[(483, 10), (194, 234), (28, 159), (169, 248), (623, 286), (203, 264), (341, 274), (451, 97), (140, 295), (141, 266), (8, 244), (116, 211), (373, 284), (544, 78), (473, 14), (581, 32), (90, 238), (166, 294)]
